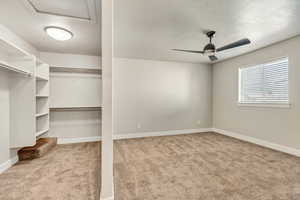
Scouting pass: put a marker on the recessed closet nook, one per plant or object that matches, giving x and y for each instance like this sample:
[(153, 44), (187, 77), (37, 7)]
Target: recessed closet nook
[(50, 95), (50, 100)]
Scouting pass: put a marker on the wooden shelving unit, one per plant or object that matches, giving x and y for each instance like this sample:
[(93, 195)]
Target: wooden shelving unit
[(42, 98)]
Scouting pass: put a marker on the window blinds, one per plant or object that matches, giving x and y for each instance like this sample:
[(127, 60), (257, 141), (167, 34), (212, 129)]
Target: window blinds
[(265, 83)]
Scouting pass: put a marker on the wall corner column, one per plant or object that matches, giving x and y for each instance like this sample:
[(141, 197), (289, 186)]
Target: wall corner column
[(107, 185)]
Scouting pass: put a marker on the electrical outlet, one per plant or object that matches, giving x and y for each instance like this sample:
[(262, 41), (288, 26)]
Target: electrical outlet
[(198, 122), (138, 126)]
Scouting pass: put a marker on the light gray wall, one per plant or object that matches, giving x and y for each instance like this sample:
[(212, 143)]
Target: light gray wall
[(159, 96), (277, 125)]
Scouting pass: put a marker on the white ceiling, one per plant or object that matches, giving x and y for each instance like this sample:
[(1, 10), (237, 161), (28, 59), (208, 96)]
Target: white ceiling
[(28, 18), (148, 29)]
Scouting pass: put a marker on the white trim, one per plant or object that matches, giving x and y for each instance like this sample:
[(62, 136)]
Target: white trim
[(274, 146), (133, 135), (78, 140), (91, 9), (160, 133), (6, 165)]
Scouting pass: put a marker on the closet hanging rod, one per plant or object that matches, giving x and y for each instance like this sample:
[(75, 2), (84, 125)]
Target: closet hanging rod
[(57, 109), (15, 69), (75, 70)]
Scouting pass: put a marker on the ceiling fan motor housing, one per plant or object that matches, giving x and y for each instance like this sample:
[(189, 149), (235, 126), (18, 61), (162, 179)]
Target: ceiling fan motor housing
[(209, 49)]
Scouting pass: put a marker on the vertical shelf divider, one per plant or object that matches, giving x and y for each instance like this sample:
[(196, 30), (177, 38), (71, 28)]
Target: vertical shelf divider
[(42, 98)]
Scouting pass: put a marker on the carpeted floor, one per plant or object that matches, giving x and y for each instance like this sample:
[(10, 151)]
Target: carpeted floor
[(204, 166), (68, 172)]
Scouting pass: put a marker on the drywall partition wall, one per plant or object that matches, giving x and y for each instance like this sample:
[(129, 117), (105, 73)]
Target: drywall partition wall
[(275, 125), (106, 175), (152, 96), (71, 90)]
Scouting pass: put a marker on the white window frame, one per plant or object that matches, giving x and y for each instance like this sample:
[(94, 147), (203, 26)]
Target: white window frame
[(264, 105)]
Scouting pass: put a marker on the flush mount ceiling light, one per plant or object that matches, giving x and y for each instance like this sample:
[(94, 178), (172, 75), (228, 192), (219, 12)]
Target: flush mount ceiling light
[(58, 33)]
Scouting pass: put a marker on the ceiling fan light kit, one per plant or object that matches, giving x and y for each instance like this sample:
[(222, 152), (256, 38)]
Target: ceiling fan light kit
[(210, 49)]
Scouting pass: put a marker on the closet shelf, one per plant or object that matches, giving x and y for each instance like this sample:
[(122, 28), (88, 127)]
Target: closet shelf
[(39, 133), (57, 109), (40, 78), (42, 96), (76, 70), (41, 114), (13, 68)]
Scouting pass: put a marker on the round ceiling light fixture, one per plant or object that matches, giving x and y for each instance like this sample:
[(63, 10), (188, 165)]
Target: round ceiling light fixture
[(58, 33)]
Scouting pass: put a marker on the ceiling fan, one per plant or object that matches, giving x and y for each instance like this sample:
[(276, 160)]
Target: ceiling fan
[(210, 49)]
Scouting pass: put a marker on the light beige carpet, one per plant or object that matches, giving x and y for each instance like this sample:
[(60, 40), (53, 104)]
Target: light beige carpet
[(68, 172), (204, 166)]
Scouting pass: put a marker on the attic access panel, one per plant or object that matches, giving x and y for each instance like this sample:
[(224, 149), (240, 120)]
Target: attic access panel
[(75, 9)]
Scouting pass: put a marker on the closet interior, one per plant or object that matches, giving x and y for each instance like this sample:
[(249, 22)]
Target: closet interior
[(24, 96), (46, 95), (50, 99)]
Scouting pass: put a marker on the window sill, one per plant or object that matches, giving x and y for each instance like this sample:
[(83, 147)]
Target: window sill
[(264, 105)]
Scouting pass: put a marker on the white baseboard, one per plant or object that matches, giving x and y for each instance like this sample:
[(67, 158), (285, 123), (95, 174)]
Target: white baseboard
[(132, 135), (159, 133), (78, 140), (107, 198), (274, 146), (6, 165), (278, 147)]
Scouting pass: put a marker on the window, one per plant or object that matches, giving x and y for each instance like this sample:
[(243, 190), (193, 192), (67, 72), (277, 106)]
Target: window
[(265, 84)]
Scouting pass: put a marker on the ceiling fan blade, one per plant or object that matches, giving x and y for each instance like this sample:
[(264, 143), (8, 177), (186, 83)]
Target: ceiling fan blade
[(188, 51), (235, 44), (213, 58)]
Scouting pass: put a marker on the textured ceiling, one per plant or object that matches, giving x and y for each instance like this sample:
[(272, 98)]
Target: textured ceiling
[(149, 29)]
